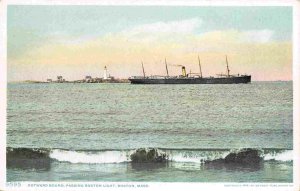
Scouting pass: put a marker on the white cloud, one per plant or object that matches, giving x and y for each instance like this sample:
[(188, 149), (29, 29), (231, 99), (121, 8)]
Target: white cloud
[(257, 36), (160, 30), (236, 36), (182, 27)]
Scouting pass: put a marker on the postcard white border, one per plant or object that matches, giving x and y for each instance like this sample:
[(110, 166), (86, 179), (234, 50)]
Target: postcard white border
[(155, 185)]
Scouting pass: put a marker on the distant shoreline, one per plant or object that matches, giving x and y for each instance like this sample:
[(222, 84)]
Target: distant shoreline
[(68, 82), (103, 82)]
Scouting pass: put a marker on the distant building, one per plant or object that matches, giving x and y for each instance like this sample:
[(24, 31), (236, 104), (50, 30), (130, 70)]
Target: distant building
[(49, 80), (107, 76), (59, 78), (88, 79), (97, 80)]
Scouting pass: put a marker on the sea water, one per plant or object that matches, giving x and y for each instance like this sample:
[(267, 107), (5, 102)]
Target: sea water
[(87, 132)]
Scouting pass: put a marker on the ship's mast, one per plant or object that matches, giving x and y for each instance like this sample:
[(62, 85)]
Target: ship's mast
[(227, 67), (143, 70), (166, 67), (200, 67)]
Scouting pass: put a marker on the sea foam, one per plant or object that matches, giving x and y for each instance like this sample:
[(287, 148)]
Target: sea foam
[(90, 157)]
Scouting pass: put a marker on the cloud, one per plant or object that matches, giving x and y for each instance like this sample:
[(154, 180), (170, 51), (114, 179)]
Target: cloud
[(236, 36), (180, 31), (181, 27), (178, 41), (162, 30), (258, 36)]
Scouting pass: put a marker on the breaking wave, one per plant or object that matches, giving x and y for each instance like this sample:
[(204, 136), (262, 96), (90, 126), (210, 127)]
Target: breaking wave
[(285, 155), (144, 155), (90, 157)]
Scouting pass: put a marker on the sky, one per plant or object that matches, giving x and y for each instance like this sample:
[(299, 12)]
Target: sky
[(44, 41)]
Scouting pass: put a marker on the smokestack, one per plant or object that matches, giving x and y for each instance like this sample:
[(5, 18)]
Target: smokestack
[(183, 71)]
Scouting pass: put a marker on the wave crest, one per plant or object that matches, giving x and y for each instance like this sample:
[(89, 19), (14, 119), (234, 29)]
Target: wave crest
[(150, 155), (89, 157)]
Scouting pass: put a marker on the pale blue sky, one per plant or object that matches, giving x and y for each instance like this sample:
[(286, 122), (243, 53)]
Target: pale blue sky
[(31, 25), (73, 41)]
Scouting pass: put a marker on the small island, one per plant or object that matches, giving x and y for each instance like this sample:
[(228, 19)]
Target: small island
[(107, 78)]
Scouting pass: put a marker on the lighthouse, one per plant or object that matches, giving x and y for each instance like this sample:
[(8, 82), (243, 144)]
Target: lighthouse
[(105, 75)]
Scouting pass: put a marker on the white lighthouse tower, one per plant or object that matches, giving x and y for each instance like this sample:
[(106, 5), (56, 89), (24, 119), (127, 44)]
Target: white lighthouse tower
[(105, 75)]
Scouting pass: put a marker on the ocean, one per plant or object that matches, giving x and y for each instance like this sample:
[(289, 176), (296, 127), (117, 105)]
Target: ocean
[(90, 132)]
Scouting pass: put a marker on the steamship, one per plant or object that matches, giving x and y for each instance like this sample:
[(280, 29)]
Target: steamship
[(191, 78)]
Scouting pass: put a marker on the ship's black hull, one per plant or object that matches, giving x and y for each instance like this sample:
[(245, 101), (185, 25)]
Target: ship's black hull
[(225, 80)]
